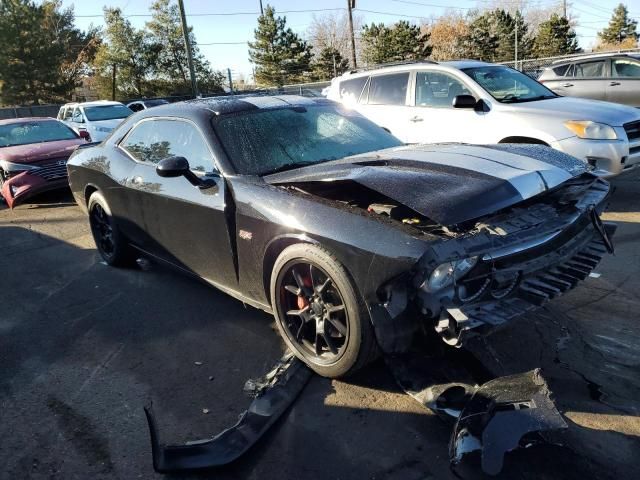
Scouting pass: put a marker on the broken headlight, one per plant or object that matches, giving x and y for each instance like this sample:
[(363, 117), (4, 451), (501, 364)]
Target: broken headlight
[(445, 274)]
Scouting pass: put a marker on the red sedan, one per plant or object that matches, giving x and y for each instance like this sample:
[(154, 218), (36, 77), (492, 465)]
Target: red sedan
[(33, 156)]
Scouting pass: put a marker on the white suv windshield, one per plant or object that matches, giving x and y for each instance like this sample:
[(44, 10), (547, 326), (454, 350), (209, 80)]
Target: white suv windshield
[(107, 112), (507, 85)]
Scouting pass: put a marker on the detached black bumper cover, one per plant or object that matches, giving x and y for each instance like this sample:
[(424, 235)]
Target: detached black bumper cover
[(278, 390), (499, 414)]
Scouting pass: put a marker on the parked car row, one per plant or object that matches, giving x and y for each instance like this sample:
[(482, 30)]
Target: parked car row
[(34, 151), (482, 103), (614, 77)]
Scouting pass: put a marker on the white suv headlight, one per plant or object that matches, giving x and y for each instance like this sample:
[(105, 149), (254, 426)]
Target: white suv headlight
[(445, 274), (591, 130)]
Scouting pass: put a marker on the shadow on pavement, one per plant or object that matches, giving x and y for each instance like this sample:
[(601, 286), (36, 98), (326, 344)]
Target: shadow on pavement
[(83, 347)]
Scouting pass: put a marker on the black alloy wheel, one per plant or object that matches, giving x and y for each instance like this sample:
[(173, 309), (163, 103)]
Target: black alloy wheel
[(314, 310), (102, 230), (112, 245), (319, 312)]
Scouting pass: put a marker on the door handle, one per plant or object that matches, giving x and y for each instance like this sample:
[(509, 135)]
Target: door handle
[(416, 119), (136, 180), (613, 84), (568, 85)]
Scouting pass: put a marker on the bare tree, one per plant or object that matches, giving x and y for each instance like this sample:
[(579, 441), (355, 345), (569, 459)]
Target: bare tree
[(331, 31)]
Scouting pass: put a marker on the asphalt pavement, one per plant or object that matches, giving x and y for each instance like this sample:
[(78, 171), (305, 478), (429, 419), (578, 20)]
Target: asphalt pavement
[(83, 347)]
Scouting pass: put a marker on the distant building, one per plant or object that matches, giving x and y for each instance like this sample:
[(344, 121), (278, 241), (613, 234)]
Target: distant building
[(87, 91)]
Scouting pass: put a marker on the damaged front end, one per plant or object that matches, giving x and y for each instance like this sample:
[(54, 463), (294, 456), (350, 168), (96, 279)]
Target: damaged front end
[(20, 185), (487, 272)]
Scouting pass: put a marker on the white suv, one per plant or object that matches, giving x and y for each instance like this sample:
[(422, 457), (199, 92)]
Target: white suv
[(476, 102), (98, 118)]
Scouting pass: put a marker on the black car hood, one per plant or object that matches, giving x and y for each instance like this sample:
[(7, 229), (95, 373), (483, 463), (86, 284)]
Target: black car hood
[(449, 183)]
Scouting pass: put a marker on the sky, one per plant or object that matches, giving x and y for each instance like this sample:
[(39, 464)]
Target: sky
[(222, 37)]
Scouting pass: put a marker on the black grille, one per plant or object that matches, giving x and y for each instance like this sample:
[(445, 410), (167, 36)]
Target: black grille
[(51, 172), (632, 129), (534, 291)]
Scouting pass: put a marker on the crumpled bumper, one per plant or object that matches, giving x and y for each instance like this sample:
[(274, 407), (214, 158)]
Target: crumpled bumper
[(274, 394), (19, 188)]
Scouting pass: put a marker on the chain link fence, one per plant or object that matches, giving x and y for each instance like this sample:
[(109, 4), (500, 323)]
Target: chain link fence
[(534, 66), (32, 111)]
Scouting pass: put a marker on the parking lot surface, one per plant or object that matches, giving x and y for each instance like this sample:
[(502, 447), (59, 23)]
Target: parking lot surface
[(83, 347)]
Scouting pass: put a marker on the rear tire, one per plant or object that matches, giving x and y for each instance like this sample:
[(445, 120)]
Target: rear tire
[(319, 312), (111, 244)]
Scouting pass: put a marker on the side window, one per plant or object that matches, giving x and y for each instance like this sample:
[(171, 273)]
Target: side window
[(388, 89), (350, 90), (590, 69), (136, 107), (77, 115), (155, 140), (561, 70), (435, 89), (67, 113), (625, 68)]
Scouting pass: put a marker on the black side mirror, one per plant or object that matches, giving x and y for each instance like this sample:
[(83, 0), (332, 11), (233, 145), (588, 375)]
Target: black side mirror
[(173, 167), (179, 167), (464, 101)]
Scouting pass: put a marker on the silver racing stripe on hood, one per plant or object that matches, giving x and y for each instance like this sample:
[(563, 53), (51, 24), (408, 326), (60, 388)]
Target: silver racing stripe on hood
[(528, 175)]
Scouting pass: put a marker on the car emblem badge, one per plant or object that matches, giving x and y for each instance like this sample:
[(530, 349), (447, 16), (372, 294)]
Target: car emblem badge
[(245, 235)]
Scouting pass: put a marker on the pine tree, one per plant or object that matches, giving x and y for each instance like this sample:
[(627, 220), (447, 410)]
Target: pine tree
[(171, 62), (555, 37), (481, 41), (279, 54), (329, 63), (42, 54), (492, 37), (401, 41), (127, 50), (620, 27), (505, 25)]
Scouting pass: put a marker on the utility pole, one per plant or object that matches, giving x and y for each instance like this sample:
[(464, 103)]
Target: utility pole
[(516, 49), (564, 8), (113, 83), (351, 4), (335, 72), (261, 10), (187, 44), (230, 81)]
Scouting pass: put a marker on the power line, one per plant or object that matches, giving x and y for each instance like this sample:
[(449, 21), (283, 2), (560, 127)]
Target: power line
[(220, 14), (432, 5), (390, 13)]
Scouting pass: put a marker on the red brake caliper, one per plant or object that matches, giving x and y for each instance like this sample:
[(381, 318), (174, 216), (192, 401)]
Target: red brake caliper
[(302, 300)]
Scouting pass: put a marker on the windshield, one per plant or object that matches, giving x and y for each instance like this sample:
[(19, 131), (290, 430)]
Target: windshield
[(24, 133), (262, 142), (507, 85), (107, 112)]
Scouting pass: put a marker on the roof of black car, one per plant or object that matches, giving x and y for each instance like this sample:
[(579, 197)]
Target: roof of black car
[(241, 103)]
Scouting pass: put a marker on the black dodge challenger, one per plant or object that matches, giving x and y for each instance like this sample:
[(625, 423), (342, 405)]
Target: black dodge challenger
[(353, 241)]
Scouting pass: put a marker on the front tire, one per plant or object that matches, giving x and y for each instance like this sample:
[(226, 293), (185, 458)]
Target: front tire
[(111, 244), (319, 313)]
